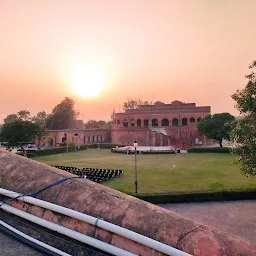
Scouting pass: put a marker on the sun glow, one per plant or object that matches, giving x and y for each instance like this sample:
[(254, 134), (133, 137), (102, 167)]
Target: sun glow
[(87, 82)]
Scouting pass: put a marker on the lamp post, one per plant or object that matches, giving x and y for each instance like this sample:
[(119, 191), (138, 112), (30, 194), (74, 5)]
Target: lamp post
[(135, 144)]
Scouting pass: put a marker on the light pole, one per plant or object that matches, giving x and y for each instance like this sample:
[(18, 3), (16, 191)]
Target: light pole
[(135, 144)]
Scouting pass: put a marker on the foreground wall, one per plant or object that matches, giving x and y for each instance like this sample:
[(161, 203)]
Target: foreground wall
[(24, 175)]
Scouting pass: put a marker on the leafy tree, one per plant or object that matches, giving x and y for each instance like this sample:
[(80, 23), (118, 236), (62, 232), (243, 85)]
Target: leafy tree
[(244, 130), (62, 116), (20, 131), (24, 115), (11, 118), (217, 126), (134, 103), (95, 124), (40, 119)]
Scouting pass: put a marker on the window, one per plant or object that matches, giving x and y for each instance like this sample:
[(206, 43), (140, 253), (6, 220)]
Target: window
[(184, 121), (125, 123), (192, 120), (165, 122), (198, 119), (175, 122), (138, 123), (155, 122), (145, 122), (132, 123), (118, 121)]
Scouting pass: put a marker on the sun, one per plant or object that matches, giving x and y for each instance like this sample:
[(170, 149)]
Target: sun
[(87, 82)]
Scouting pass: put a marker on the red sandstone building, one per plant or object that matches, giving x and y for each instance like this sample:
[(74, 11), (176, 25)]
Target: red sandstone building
[(159, 124)]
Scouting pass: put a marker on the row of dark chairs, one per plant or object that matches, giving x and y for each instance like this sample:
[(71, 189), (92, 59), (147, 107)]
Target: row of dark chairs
[(94, 174)]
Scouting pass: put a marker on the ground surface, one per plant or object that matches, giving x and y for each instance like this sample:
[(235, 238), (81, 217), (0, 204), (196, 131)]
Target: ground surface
[(161, 173), (237, 217), (12, 247)]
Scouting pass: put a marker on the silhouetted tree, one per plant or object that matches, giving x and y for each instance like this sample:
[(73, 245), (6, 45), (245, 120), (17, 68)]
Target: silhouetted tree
[(95, 124), (24, 115), (217, 126), (62, 116), (11, 118), (134, 103), (20, 131), (40, 118)]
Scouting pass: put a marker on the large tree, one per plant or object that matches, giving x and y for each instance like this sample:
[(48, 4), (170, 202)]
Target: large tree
[(11, 118), (62, 116), (244, 131), (24, 115), (217, 126), (134, 103), (40, 118), (20, 131)]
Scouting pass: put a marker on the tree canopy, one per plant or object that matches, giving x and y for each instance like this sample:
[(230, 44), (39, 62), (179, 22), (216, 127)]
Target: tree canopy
[(63, 115), (11, 118), (40, 118), (134, 103), (217, 126), (95, 124), (244, 131), (20, 131)]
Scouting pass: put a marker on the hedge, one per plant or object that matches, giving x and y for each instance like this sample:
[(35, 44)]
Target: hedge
[(206, 196), (143, 152), (210, 150), (57, 150)]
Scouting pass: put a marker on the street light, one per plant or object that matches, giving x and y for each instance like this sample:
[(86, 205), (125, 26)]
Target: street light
[(135, 144)]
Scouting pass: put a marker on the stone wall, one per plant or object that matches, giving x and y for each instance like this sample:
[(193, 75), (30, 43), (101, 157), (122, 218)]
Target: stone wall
[(24, 176)]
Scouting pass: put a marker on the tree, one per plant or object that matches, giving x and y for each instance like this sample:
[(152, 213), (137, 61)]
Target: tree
[(217, 126), (62, 116), (24, 115), (244, 130), (20, 131), (40, 118), (95, 124), (134, 103), (11, 118)]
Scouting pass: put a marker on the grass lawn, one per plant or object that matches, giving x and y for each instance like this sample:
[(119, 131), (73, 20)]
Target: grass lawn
[(161, 173)]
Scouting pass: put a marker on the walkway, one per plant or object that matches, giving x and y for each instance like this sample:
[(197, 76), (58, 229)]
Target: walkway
[(237, 217)]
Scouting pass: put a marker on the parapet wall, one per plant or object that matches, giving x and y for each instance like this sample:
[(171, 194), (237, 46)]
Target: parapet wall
[(24, 175)]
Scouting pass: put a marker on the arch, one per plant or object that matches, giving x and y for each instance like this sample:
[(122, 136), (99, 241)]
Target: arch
[(93, 138), (118, 121), (125, 123), (175, 122), (145, 122), (165, 122), (154, 122), (184, 121), (63, 139), (132, 123), (85, 140), (98, 138), (192, 120), (199, 119), (138, 122)]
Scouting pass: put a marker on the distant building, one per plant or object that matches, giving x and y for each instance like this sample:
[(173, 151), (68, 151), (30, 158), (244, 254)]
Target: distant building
[(158, 124)]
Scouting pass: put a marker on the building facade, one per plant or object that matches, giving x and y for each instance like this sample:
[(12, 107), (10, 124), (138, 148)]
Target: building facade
[(158, 124)]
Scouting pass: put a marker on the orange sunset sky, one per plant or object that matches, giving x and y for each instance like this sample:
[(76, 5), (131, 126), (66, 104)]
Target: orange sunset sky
[(189, 50)]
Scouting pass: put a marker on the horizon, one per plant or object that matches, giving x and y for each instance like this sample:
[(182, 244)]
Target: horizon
[(192, 51)]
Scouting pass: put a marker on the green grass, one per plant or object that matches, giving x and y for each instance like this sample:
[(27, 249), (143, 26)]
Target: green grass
[(161, 174)]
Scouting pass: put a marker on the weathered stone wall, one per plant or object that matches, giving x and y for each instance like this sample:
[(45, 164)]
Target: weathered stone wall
[(24, 175)]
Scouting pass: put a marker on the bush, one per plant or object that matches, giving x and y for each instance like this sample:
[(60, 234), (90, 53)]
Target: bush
[(200, 196), (209, 150), (104, 145)]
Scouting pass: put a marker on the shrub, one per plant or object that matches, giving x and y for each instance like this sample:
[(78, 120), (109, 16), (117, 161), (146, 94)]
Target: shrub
[(209, 150), (200, 196), (104, 145)]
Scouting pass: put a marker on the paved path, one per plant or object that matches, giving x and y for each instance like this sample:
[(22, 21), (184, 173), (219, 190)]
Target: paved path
[(237, 217), (12, 247)]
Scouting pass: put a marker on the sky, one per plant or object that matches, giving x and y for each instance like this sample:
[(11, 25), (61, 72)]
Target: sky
[(188, 50)]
